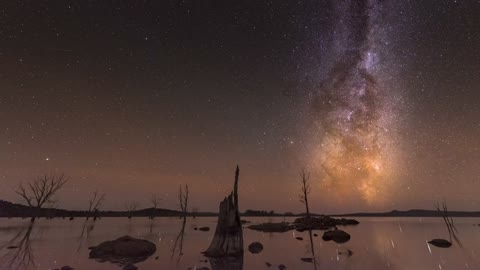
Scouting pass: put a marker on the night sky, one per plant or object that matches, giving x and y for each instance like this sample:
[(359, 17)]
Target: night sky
[(378, 100)]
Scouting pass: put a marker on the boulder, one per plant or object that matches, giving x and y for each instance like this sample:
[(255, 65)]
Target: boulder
[(255, 247), (441, 243), (306, 260), (337, 236), (123, 250)]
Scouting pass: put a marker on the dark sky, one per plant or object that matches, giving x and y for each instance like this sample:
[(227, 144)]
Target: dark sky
[(378, 100)]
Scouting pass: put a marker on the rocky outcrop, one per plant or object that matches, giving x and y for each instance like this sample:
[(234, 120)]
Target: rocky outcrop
[(272, 227), (321, 223), (124, 250), (303, 224)]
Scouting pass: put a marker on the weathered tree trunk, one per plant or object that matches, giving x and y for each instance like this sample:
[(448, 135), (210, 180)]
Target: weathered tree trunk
[(228, 239)]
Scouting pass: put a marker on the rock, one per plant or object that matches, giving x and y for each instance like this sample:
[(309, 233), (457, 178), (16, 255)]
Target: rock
[(315, 235), (307, 260), (347, 252), (268, 264), (129, 266), (272, 227), (196, 229), (12, 247), (123, 250), (441, 243), (156, 257), (299, 238), (337, 236), (71, 218), (204, 229), (255, 247), (282, 267)]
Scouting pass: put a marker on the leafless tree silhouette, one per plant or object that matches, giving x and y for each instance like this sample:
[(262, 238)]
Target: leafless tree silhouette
[(183, 198), (305, 189), (94, 203), (41, 190), (155, 200), (131, 207)]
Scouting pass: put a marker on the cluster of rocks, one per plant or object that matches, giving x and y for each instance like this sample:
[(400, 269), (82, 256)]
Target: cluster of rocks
[(303, 224), (272, 227), (321, 223)]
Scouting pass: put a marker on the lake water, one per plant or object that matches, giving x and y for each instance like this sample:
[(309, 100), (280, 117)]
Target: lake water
[(376, 243)]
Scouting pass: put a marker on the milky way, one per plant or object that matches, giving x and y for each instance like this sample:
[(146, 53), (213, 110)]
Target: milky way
[(353, 115), (377, 99)]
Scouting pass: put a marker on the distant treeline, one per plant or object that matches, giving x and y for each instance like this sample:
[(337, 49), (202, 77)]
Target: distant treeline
[(8, 209)]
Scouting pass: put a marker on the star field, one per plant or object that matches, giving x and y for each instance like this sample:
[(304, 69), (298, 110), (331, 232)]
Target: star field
[(379, 100)]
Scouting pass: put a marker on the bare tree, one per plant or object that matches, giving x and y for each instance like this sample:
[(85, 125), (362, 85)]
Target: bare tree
[(94, 203), (131, 207), (194, 212), (155, 200), (183, 197), (305, 189), (41, 190), (178, 244)]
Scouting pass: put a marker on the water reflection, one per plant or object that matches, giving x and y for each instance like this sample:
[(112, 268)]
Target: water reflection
[(87, 228), (376, 244), (227, 263), (312, 249), (21, 255), (177, 249)]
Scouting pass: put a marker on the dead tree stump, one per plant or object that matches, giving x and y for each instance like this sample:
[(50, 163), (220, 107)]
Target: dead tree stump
[(228, 238)]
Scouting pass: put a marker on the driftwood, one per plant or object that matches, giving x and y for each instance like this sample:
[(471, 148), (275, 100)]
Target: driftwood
[(228, 238)]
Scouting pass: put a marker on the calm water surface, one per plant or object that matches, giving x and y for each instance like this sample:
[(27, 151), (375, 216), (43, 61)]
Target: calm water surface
[(377, 243)]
